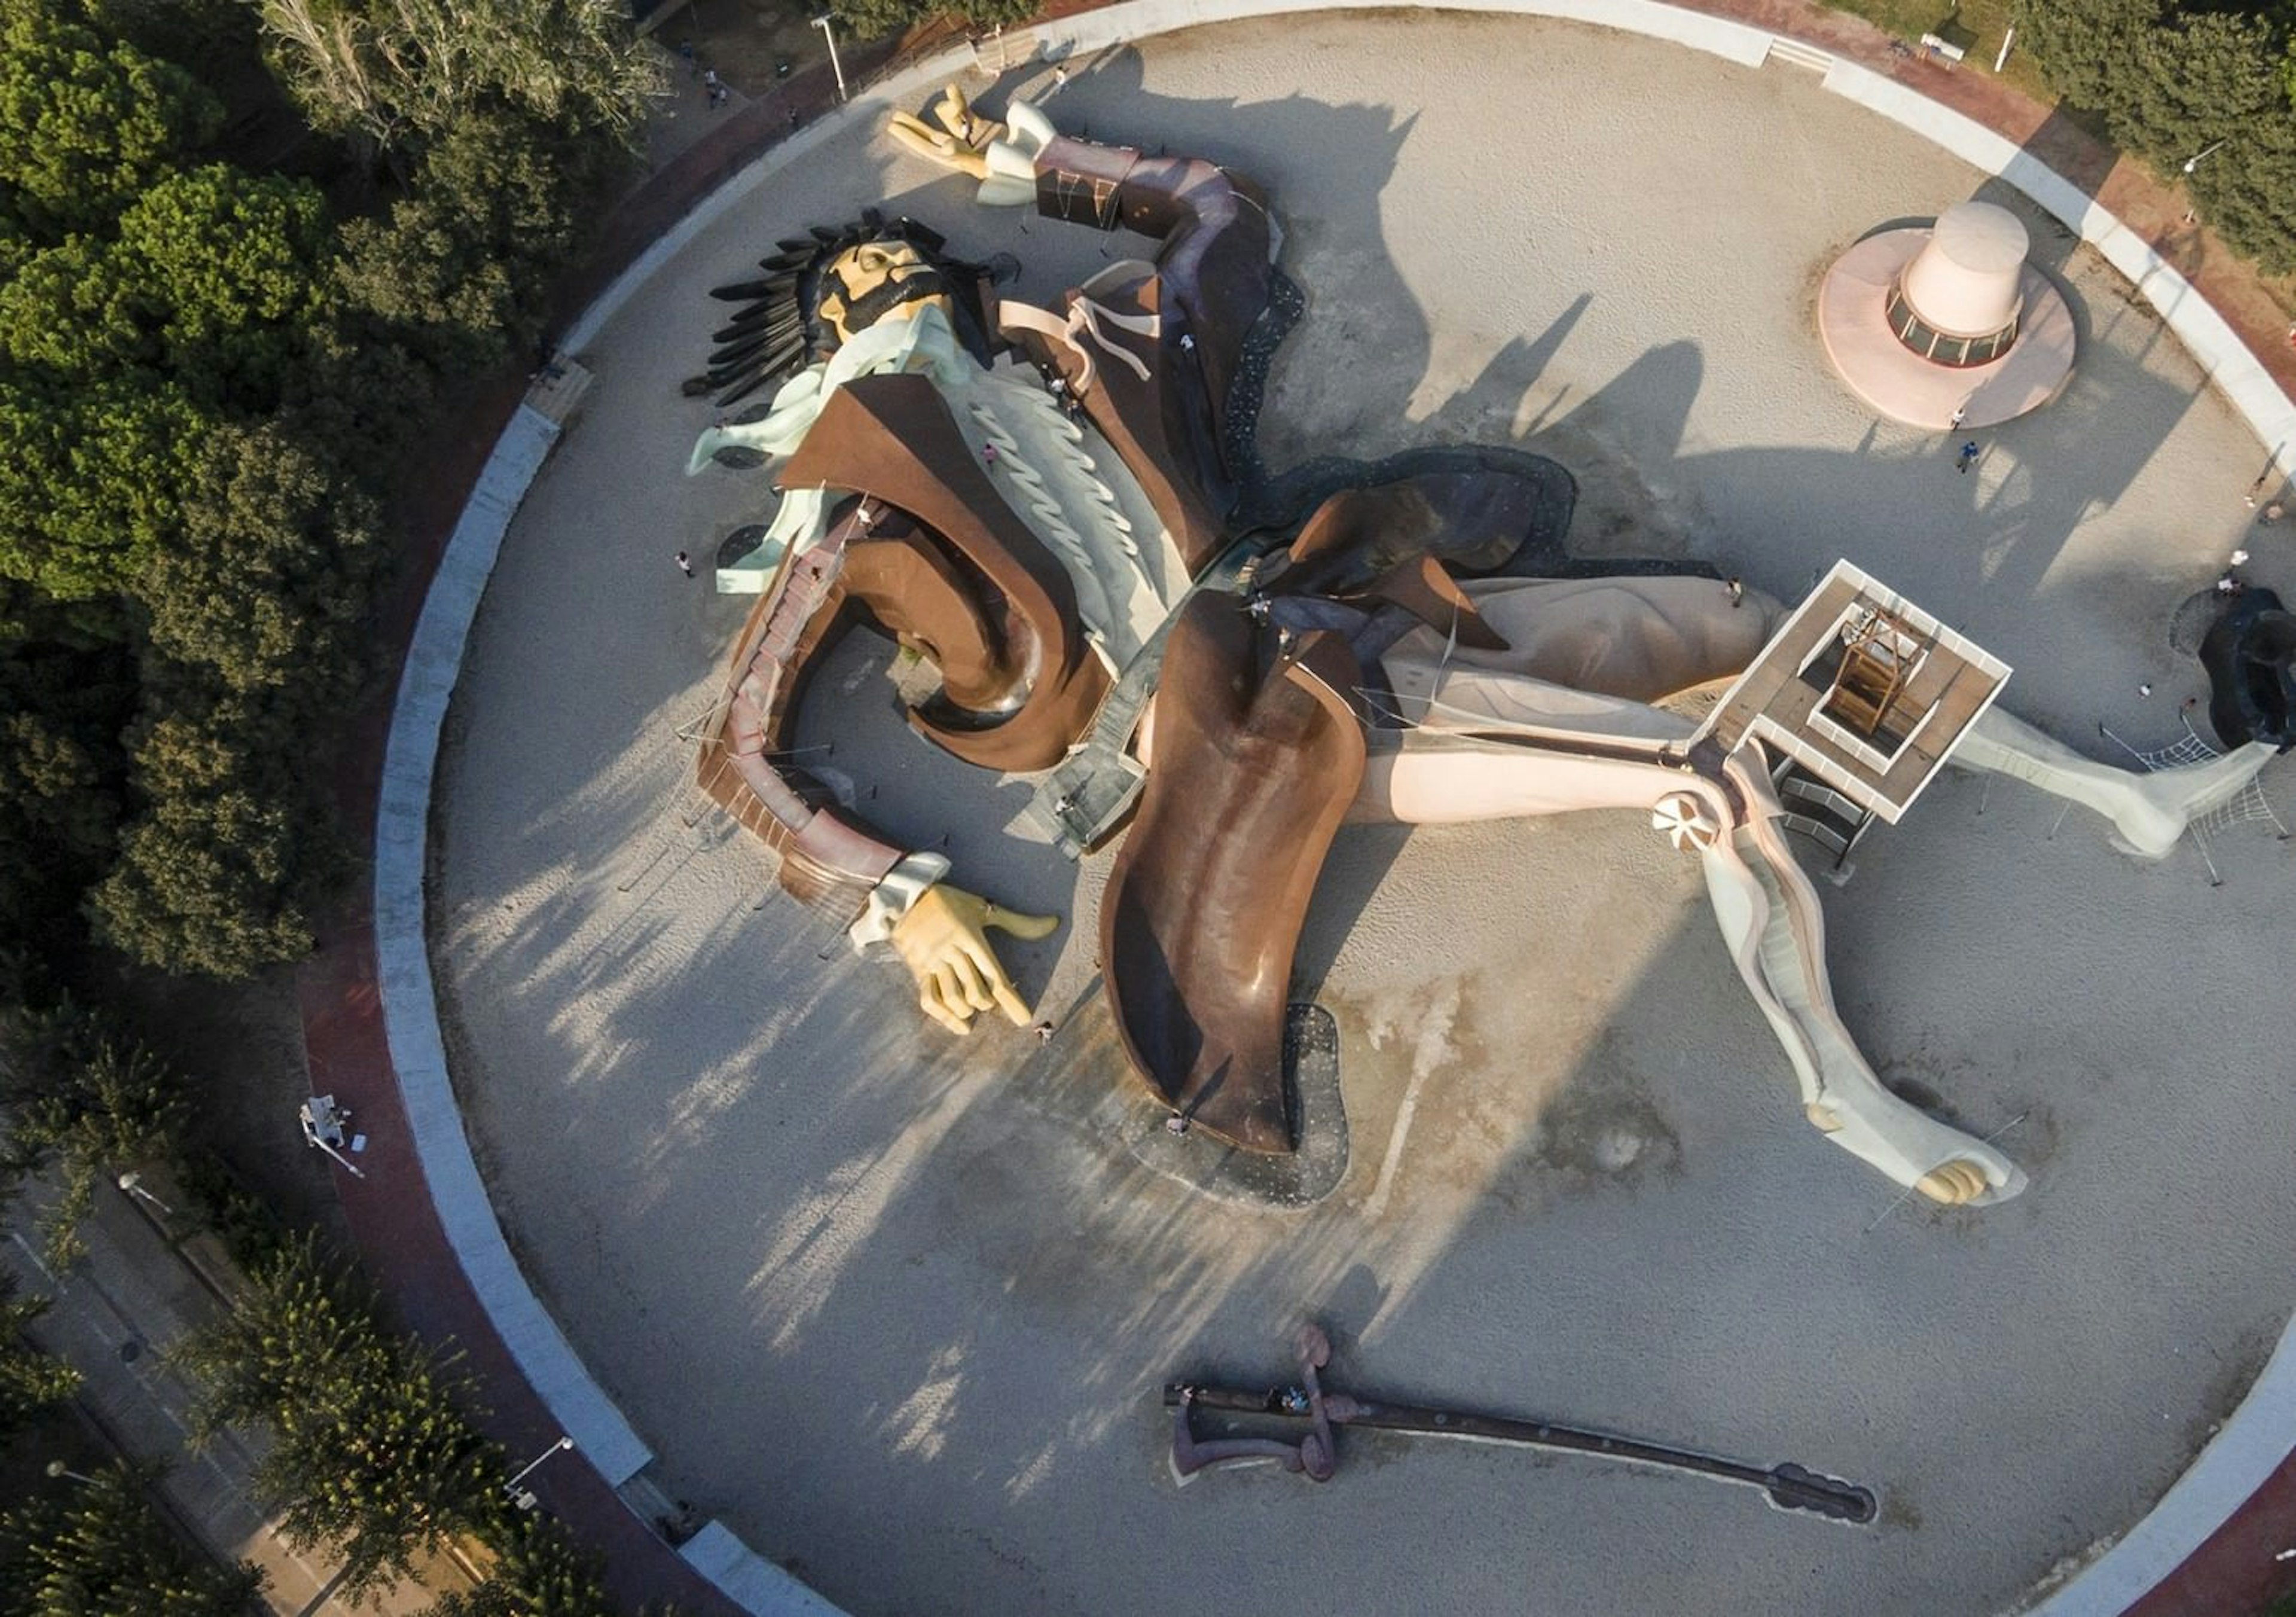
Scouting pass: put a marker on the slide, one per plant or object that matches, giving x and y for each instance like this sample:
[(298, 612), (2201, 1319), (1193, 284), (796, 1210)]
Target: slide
[(1774, 928)]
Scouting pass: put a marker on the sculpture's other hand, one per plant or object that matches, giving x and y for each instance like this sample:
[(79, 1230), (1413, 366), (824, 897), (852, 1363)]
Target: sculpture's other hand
[(1001, 156), (950, 134), (944, 941)]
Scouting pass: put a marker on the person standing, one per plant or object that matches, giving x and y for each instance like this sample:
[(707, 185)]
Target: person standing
[(1960, 414), (684, 565), (1968, 457)]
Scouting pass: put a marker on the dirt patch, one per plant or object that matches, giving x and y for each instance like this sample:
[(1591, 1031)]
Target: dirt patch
[(753, 45), (240, 1050)]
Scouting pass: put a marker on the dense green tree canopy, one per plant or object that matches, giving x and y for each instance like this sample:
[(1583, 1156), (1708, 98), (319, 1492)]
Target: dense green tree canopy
[(266, 582), (87, 123), (372, 1454), (82, 1549), (206, 377), (31, 1382), (84, 1100), (880, 18), (396, 72), (2176, 84)]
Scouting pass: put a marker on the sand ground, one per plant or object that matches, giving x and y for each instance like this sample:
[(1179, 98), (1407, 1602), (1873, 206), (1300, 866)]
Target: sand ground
[(897, 1306)]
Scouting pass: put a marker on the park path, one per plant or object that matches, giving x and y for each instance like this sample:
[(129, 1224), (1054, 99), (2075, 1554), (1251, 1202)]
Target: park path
[(390, 1212), (144, 1281)]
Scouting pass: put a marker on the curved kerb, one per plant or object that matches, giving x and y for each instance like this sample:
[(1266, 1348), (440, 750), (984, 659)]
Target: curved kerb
[(2244, 1452)]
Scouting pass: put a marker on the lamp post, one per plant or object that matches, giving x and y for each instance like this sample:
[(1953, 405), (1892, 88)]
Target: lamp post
[(835, 66), (2193, 161), (57, 1468), (523, 1498), (133, 1185)]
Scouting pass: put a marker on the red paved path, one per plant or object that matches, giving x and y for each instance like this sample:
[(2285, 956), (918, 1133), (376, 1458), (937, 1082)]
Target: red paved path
[(392, 1219)]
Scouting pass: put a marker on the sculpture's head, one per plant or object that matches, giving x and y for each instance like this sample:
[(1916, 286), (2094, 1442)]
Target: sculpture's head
[(823, 289), (878, 281)]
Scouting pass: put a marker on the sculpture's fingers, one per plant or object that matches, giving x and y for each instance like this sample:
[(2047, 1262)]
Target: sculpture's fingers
[(1001, 994), (954, 1000), (1020, 923), (953, 110), (971, 981), (907, 126), (956, 994), (920, 138), (932, 1003)]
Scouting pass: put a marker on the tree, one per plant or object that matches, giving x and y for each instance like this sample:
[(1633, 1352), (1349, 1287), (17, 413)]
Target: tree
[(217, 874), (875, 18), (461, 268), (228, 269), (2084, 45), (82, 1098), (395, 72), (2234, 88), (65, 694), (86, 124), (268, 582), (90, 477), (371, 1455), (209, 884), (2172, 84), (537, 1568), (98, 1549), (31, 1382)]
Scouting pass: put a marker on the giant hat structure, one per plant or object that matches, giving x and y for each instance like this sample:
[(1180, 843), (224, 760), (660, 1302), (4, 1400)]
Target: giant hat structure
[(1924, 322)]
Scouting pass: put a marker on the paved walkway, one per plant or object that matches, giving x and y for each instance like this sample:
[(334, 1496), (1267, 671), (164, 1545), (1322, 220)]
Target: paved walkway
[(389, 1212), (114, 1316)]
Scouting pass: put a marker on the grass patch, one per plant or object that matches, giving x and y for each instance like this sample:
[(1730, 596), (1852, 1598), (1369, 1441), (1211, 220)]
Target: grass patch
[(1977, 26)]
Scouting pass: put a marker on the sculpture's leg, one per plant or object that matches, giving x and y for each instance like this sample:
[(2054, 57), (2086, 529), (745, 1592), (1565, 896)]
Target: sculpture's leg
[(1253, 771), (2149, 812), (1771, 919), (1765, 906)]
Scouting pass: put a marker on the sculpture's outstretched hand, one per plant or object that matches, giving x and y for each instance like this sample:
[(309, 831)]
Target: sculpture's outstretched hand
[(944, 941), (1001, 156), (950, 134)]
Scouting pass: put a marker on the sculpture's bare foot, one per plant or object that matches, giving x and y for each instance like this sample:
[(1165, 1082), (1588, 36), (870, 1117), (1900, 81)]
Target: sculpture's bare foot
[(1953, 1182)]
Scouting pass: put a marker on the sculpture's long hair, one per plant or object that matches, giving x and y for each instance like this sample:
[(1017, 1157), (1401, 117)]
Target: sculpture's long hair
[(778, 330)]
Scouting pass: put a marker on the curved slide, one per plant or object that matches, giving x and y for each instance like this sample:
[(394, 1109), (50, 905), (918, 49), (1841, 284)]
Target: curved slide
[(1771, 919)]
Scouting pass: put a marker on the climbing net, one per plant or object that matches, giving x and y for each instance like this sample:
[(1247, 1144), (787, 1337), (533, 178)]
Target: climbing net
[(2246, 807)]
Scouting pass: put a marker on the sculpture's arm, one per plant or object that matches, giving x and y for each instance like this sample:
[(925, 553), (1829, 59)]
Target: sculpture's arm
[(1151, 352), (827, 860)]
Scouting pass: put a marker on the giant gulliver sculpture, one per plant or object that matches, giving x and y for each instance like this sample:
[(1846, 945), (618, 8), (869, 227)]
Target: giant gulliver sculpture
[(1046, 506)]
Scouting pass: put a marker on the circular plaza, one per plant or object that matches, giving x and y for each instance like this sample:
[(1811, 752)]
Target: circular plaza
[(897, 1306)]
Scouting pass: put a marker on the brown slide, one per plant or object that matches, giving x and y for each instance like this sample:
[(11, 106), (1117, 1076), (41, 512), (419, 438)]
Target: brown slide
[(1256, 761), (892, 437)]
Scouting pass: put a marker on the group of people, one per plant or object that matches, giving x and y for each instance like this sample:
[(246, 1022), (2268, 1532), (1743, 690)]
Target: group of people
[(713, 86)]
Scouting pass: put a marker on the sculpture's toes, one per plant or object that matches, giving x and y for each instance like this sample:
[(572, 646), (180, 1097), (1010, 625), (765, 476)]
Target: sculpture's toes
[(1954, 1182)]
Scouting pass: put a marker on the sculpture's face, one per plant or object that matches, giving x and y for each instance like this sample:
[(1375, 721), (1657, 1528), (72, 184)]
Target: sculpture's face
[(877, 280)]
